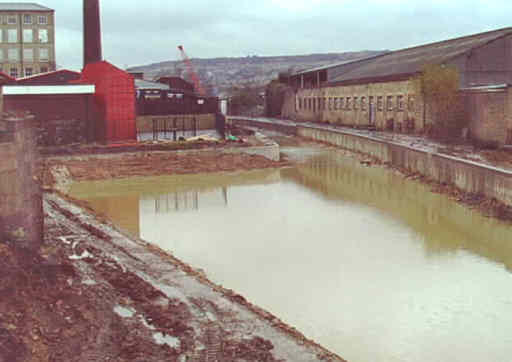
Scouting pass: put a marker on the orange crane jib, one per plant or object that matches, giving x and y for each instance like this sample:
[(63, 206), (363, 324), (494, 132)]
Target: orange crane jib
[(192, 73)]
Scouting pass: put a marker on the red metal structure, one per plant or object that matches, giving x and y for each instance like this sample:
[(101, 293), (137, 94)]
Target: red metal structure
[(115, 101), (192, 73)]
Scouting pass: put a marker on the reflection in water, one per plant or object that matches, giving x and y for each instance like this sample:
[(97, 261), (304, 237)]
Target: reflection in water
[(443, 225), (185, 201), (372, 266)]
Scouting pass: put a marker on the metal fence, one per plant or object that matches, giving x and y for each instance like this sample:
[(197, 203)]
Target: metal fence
[(174, 128)]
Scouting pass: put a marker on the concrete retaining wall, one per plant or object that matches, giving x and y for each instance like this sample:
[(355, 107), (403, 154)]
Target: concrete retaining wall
[(466, 175), (278, 127), (21, 208)]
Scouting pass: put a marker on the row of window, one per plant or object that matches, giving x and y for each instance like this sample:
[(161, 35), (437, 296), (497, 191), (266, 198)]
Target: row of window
[(28, 35), (355, 103), (27, 19), (13, 54), (13, 72)]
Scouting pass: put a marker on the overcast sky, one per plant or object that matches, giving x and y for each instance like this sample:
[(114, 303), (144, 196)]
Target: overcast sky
[(137, 32)]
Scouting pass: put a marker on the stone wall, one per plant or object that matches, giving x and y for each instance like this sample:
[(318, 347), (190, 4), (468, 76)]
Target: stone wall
[(21, 210), (204, 121), (490, 114), (395, 106), (398, 108)]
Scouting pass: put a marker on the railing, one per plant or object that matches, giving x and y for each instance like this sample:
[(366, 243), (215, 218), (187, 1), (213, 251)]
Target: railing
[(165, 128)]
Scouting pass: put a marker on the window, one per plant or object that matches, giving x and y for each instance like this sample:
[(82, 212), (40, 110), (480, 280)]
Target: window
[(330, 103), (1, 55), (13, 72), (1, 35), (335, 103), (363, 103), (13, 54), (43, 55), (342, 103), (380, 103), (356, 103), (389, 103), (349, 103), (11, 19), (43, 20), (28, 72), (400, 103), (371, 100), (325, 103), (27, 19), (43, 35), (411, 103), (12, 35), (300, 103), (28, 36), (28, 54), (44, 69)]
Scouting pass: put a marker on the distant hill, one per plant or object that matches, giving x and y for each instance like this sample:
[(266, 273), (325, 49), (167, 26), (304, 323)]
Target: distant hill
[(221, 74)]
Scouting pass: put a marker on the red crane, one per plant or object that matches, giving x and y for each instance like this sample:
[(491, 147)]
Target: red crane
[(192, 73)]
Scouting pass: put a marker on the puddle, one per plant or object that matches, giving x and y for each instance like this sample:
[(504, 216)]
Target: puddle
[(124, 312)]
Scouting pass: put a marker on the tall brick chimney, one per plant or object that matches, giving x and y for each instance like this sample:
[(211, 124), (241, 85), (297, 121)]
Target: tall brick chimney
[(92, 32)]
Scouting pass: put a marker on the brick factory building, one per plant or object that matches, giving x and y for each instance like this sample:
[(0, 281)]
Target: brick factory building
[(380, 91), (27, 34)]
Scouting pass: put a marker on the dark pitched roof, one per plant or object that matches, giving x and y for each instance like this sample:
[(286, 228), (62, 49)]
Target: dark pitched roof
[(334, 65), (146, 84), (61, 76), (6, 79), (412, 60), (23, 7)]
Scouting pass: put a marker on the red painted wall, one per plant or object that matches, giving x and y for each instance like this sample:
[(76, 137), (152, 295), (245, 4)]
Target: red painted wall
[(115, 101)]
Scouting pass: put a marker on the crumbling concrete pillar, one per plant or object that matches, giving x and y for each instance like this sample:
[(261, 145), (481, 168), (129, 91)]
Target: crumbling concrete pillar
[(21, 207)]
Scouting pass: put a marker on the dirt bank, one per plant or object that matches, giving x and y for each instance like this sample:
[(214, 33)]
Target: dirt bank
[(148, 164), (94, 294)]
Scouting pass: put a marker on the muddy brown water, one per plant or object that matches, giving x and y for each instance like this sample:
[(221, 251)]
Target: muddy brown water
[(370, 265)]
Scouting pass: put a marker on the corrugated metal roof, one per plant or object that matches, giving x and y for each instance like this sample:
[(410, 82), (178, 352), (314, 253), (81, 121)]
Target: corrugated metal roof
[(23, 7), (333, 65), (412, 60), (146, 84), (12, 90)]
